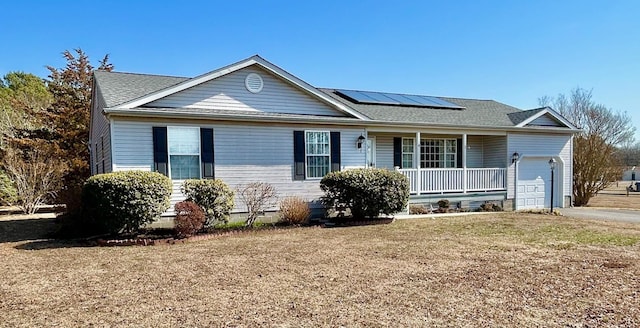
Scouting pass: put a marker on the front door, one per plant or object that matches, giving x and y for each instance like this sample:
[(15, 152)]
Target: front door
[(371, 152)]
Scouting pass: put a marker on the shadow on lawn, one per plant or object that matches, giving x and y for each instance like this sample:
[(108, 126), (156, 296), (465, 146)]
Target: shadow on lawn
[(35, 232)]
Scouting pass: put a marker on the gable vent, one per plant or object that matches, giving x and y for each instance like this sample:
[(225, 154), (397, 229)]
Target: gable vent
[(253, 82)]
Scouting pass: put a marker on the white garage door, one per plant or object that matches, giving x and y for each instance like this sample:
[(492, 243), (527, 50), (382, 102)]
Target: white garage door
[(534, 180)]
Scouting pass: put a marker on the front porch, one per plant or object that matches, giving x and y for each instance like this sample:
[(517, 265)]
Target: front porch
[(442, 163), (462, 180)]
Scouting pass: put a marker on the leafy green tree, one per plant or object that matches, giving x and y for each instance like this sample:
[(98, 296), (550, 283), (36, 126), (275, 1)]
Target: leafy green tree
[(24, 98)]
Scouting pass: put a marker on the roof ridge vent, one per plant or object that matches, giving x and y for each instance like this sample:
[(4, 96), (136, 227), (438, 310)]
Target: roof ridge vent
[(253, 82)]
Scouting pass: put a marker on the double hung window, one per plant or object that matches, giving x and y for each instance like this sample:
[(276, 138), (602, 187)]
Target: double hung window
[(184, 152), (407, 152), (317, 153)]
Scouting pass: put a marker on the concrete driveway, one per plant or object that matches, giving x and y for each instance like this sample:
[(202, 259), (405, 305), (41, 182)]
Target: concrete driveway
[(611, 214)]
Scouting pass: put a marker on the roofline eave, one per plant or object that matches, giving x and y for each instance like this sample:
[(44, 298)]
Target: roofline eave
[(150, 113)]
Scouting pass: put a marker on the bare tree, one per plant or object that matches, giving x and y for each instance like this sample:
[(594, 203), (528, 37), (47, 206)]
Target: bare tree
[(36, 177), (256, 196), (595, 159)]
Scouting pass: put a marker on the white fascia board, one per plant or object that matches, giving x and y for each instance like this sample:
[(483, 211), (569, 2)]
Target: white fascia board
[(551, 112), (374, 126), (254, 60)]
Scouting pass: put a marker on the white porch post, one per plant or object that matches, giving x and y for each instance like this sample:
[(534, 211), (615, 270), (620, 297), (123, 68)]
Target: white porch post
[(464, 163), (416, 163), (366, 149)]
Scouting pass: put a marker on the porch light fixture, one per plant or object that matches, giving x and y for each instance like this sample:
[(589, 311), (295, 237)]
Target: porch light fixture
[(515, 157), (360, 141), (552, 165)]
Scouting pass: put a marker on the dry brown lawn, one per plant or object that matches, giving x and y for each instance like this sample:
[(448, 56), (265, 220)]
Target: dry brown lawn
[(616, 197), (507, 270)]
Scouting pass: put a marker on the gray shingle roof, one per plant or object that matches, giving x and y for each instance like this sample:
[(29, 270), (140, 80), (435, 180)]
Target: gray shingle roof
[(477, 112), (520, 116), (118, 88)]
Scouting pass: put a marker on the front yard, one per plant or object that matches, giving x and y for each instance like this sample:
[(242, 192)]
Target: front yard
[(502, 270)]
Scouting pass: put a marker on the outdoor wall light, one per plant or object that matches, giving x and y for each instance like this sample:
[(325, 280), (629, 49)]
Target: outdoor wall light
[(515, 157), (360, 141)]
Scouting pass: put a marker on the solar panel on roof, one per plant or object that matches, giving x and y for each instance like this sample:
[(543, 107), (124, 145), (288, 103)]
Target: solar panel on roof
[(380, 97), (369, 97), (356, 96), (402, 99)]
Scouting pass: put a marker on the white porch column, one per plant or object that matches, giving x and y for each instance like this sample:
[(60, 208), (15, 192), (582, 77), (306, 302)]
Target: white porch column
[(416, 163), (366, 149), (464, 163)]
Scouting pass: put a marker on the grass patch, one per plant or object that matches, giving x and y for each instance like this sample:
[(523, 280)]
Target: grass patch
[(510, 270)]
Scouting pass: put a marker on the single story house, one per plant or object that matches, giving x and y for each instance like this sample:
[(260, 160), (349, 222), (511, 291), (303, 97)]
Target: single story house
[(252, 121)]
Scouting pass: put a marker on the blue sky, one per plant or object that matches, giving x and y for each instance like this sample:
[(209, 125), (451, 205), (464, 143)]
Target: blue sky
[(510, 51)]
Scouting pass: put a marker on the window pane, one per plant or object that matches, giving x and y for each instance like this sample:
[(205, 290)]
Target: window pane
[(407, 145), (437, 153), (183, 140), (317, 143), (407, 160), (317, 166), (184, 167)]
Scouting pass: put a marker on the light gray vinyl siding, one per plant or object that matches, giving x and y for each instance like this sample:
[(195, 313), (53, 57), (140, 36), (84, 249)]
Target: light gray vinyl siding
[(242, 153), (475, 149), (495, 151), (100, 138), (545, 120), (384, 151), (228, 92), (132, 146), (542, 146)]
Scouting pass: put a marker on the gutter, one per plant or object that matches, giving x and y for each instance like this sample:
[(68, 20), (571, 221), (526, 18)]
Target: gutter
[(147, 113)]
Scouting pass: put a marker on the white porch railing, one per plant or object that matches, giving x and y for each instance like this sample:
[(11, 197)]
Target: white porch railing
[(455, 180)]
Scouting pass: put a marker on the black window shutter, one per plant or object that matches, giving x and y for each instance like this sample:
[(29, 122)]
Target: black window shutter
[(160, 153), (298, 155), (459, 153), (206, 153), (397, 152), (335, 151)]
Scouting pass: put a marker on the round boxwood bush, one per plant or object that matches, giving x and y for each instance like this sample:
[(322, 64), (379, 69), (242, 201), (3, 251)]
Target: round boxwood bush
[(124, 201), (214, 196), (366, 192)]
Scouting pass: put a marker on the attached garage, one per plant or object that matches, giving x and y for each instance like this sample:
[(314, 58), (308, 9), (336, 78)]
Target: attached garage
[(534, 183)]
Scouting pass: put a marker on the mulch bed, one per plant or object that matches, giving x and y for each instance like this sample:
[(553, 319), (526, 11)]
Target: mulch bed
[(167, 238)]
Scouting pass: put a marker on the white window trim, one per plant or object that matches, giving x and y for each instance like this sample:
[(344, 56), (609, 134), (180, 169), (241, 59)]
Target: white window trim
[(413, 153), (169, 151), (445, 153), (306, 175)]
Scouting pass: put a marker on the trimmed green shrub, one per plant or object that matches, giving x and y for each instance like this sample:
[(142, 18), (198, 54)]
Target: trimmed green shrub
[(189, 218), (366, 192), (8, 192), (213, 195), (124, 201)]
